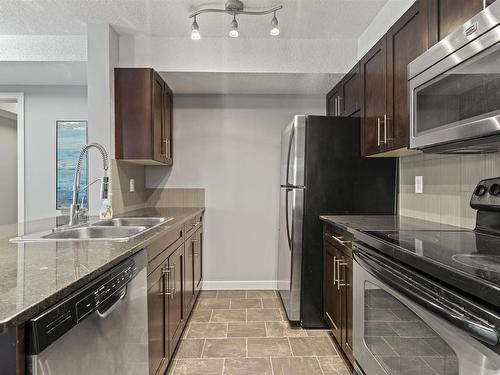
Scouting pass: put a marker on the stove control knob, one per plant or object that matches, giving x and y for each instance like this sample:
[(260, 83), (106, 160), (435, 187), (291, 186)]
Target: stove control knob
[(480, 190), (495, 189)]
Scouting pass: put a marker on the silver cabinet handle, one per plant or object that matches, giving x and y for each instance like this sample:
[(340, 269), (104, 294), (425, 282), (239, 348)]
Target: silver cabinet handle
[(174, 291), (485, 4), (195, 224), (166, 272), (340, 262), (340, 240), (378, 131), (385, 128), (334, 273), (340, 106)]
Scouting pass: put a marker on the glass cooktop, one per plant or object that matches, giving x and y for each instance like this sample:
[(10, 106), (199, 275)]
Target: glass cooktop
[(455, 257)]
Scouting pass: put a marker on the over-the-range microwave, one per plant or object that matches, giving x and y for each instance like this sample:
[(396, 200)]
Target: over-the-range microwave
[(455, 90)]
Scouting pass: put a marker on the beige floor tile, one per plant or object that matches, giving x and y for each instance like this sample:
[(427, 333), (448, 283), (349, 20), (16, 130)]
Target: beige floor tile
[(224, 316), (261, 294), (198, 367), (190, 348), (296, 366), (333, 366), (246, 303), (264, 315), (247, 366), (212, 304), (198, 316), (283, 329), (208, 294), (318, 332), (308, 346), (224, 348), (207, 330), (272, 303), (268, 347), (231, 294), (246, 330)]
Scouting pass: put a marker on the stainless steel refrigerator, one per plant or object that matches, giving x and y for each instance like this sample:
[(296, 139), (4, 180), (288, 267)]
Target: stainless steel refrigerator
[(322, 172)]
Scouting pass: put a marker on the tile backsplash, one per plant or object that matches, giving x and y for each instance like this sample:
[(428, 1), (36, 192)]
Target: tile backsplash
[(123, 200), (448, 182)]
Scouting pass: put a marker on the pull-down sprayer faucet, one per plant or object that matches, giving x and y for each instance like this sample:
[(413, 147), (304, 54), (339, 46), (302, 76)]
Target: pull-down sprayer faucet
[(75, 206)]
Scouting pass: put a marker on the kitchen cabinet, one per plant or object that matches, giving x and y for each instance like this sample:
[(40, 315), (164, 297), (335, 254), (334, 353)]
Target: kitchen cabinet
[(450, 14), (406, 40), (175, 314), (373, 67), (350, 93), (333, 101), (337, 287), (143, 117), (174, 280)]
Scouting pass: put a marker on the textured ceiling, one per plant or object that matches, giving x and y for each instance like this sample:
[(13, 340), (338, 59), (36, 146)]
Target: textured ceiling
[(314, 19)]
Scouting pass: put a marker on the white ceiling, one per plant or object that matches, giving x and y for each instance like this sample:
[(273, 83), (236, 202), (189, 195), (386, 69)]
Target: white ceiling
[(308, 19), (250, 83)]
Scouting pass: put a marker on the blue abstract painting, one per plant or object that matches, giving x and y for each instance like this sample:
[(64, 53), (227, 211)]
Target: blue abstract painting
[(71, 136)]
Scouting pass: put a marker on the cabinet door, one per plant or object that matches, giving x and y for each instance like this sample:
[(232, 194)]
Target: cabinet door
[(332, 295), (156, 319), (347, 334), (174, 294), (373, 104), (167, 124), (198, 259), (454, 13), (333, 101), (159, 152), (189, 251), (406, 39), (350, 97)]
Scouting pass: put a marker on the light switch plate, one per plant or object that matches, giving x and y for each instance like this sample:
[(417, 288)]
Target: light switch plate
[(419, 184), (132, 185)]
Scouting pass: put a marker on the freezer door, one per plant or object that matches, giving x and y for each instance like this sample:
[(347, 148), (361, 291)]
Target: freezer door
[(293, 142), (290, 250)]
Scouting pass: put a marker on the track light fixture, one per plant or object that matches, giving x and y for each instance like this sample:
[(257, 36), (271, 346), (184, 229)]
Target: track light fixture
[(234, 8), (195, 30)]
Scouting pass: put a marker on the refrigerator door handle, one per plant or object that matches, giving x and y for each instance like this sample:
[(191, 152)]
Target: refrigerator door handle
[(287, 219), (292, 135)]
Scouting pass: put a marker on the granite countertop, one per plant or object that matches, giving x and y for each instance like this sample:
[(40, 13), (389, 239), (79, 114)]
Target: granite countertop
[(35, 275), (359, 223)]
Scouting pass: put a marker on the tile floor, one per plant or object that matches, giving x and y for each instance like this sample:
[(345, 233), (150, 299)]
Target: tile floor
[(246, 333)]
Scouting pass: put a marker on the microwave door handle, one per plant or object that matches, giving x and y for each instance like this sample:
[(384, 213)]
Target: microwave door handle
[(475, 329)]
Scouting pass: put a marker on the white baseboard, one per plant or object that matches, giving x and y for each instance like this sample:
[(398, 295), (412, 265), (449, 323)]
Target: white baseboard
[(239, 285)]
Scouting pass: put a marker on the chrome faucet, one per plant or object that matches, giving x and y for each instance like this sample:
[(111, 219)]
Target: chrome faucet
[(75, 206)]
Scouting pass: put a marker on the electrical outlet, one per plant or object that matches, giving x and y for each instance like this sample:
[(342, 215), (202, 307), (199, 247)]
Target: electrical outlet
[(419, 184), (132, 185)]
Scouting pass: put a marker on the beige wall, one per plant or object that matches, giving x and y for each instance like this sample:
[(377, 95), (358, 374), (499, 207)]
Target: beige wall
[(8, 169), (448, 182)]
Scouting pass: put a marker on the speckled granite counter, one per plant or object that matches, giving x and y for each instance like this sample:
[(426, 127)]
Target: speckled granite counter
[(354, 223), (35, 275)]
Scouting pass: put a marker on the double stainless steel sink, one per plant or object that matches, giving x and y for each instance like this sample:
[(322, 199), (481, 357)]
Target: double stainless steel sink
[(120, 229)]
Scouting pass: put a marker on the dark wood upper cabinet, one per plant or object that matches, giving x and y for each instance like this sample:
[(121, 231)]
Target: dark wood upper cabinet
[(451, 14), (406, 40), (373, 67), (350, 93), (333, 101), (143, 117)]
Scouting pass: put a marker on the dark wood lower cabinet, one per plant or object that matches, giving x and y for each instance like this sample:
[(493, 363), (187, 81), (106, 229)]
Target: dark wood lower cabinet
[(174, 280), (337, 288)]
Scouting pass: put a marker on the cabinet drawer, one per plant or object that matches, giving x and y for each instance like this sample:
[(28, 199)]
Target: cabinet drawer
[(342, 240), (164, 246), (193, 224)]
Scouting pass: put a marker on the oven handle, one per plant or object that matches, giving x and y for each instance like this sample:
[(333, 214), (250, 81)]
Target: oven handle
[(387, 274)]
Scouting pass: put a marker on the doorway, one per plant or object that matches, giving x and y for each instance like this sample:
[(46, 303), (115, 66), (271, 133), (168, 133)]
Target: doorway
[(11, 158)]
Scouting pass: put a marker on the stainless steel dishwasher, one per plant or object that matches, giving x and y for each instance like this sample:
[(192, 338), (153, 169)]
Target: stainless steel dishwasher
[(99, 329)]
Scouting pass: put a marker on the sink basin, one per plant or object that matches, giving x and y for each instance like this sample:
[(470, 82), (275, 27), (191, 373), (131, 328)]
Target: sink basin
[(132, 221), (100, 233)]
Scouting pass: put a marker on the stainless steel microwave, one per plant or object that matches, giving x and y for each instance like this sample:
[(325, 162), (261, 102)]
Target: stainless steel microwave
[(455, 90)]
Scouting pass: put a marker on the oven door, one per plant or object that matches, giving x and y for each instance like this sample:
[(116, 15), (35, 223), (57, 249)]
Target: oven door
[(394, 334), (457, 99)]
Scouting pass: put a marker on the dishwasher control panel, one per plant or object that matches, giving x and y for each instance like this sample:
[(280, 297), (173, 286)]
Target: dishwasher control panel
[(99, 294)]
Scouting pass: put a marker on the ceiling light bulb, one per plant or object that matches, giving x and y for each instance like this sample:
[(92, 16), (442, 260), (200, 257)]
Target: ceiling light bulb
[(233, 33), (275, 31), (195, 31)]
